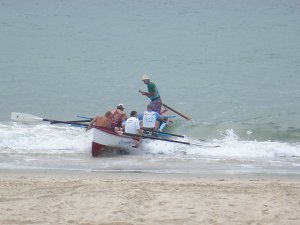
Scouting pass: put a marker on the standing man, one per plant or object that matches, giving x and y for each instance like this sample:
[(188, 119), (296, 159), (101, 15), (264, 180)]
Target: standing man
[(152, 93)]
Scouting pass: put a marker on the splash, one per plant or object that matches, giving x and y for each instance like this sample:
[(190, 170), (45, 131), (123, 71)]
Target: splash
[(24, 138), (228, 147)]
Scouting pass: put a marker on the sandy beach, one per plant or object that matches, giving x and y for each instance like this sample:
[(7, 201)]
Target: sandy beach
[(135, 198)]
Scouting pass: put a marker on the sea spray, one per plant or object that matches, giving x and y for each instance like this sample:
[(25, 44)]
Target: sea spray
[(23, 138)]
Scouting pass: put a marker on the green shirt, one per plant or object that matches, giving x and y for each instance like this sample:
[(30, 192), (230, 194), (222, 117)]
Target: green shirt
[(153, 89)]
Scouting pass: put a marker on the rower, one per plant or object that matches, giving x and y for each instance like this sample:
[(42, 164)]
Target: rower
[(118, 117), (101, 121), (151, 119), (132, 124)]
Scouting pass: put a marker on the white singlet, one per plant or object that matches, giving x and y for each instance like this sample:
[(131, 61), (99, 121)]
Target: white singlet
[(132, 125), (149, 120)]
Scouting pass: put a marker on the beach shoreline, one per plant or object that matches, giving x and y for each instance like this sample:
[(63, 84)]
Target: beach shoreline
[(76, 197)]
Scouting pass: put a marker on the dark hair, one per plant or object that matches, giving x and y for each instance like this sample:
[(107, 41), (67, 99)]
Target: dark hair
[(133, 113), (108, 114)]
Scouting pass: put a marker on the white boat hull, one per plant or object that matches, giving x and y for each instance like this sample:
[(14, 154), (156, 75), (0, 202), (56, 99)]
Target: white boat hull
[(104, 137)]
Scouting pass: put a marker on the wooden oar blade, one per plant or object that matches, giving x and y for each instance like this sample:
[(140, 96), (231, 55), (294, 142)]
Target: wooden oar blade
[(23, 117)]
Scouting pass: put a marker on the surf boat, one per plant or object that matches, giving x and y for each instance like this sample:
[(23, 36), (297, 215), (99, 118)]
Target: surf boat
[(104, 137)]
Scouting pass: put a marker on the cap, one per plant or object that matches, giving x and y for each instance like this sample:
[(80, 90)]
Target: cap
[(120, 106), (145, 77)]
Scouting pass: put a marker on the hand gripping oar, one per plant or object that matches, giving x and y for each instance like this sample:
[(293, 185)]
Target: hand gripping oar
[(175, 111), (23, 117)]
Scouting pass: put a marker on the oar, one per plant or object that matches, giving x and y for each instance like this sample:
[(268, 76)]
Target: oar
[(163, 139), (70, 121), (84, 117), (78, 125), (159, 132), (23, 117), (175, 111)]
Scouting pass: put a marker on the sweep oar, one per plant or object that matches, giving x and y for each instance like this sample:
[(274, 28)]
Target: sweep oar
[(23, 117), (175, 111)]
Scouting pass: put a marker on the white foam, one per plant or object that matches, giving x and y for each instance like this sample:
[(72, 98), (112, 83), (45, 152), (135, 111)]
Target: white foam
[(60, 139), (43, 138), (228, 147)]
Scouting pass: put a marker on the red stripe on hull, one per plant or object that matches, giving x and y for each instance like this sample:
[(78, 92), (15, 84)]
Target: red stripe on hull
[(96, 149)]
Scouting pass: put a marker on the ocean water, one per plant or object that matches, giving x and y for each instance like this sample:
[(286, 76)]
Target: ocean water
[(233, 66)]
